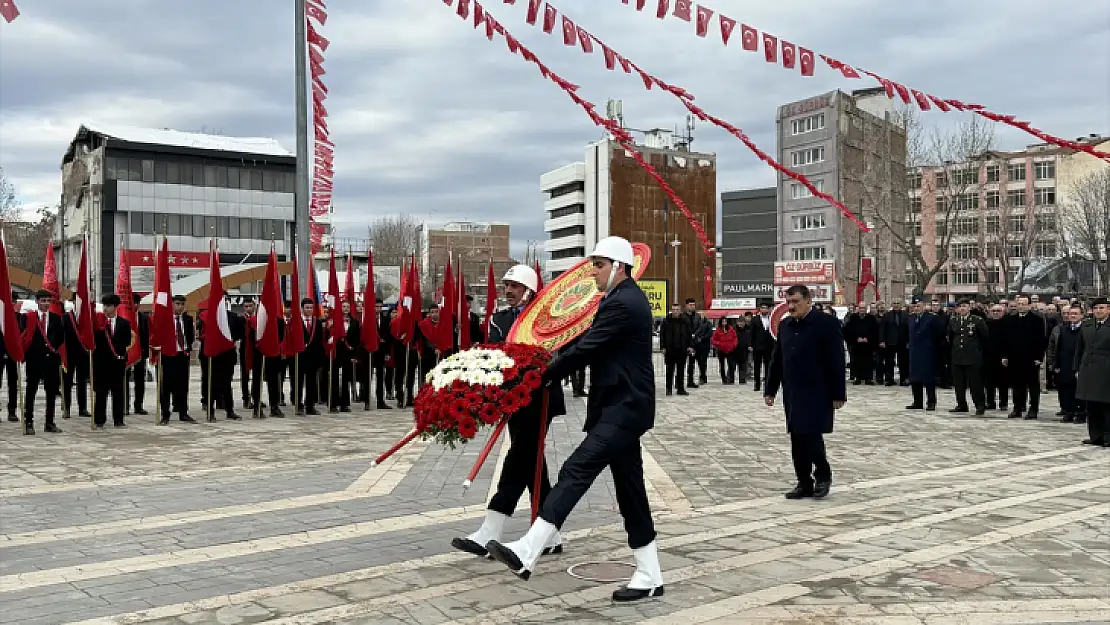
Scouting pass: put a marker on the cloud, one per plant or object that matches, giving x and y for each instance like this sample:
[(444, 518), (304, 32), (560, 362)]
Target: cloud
[(432, 120)]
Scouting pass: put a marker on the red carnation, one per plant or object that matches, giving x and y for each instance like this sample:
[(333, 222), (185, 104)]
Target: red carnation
[(533, 380), (510, 373), (458, 409), (509, 403), (468, 427), (489, 414)]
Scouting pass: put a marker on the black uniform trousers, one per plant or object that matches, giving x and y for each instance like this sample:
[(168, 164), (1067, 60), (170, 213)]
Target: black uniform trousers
[(701, 359), (923, 393), (222, 369), (382, 381), (403, 383), (965, 377), (245, 376), (996, 381), (308, 384), (863, 361), (740, 357), (78, 373), (203, 378), (1025, 379), (760, 360), (810, 462), (45, 373), (111, 381), (255, 375), (519, 471), (137, 372), (1098, 421), (605, 445), (578, 381), (342, 376), (1065, 390), (273, 369), (175, 385), (11, 371), (676, 363)]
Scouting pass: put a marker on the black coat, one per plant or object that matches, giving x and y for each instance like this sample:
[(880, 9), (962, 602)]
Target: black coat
[(500, 323), (1026, 339), (894, 329), (762, 339), (995, 348), (111, 351), (1062, 355), (314, 342), (189, 329), (74, 348), (674, 336), (1092, 362), (617, 349), (968, 339), (38, 352), (865, 326), (143, 321), (556, 403), (808, 362), (926, 338), (701, 331)]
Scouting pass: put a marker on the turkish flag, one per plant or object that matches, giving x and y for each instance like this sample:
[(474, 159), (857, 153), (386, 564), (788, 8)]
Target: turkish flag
[(448, 307), (316, 39), (570, 32), (705, 15), (941, 104), (349, 282), (9, 319), (533, 11), (847, 70), (83, 305), (770, 48), (217, 327), (682, 9), (539, 276), (126, 309), (727, 24), (902, 91), (369, 321), (463, 10), (163, 334), (805, 60), (585, 40), (50, 281), (9, 12), (640, 4), (316, 11), (789, 54), (922, 100), (335, 309), (266, 335), (479, 14), (294, 339), (749, 38), (661, 12), (465, 340), (610, 57)]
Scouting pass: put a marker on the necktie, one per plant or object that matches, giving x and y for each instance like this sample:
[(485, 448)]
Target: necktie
[(42, 326), (180, 335)]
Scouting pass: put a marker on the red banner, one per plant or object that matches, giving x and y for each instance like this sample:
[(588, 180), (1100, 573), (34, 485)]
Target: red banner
[(324, 164), (177, 260), (792, 272)]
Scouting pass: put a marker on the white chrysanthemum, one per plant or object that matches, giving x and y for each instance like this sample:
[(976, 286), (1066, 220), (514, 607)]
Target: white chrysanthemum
[(479, 367)]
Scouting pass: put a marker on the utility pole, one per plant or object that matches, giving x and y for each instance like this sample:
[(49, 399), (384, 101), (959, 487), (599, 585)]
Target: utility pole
[(302, 242), (674, 290)]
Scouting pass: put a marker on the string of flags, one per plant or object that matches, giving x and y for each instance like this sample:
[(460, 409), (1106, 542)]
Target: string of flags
[(8, 10), (777, 50), (323, 170)]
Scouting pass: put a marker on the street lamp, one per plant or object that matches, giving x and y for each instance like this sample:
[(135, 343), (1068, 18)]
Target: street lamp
[(674, 289)]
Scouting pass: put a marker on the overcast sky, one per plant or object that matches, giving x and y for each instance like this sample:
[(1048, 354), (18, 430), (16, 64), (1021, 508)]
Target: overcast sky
[(431, 119)]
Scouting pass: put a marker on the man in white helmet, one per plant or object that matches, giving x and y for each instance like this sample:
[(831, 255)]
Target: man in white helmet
[(621, 408), (519, 470)]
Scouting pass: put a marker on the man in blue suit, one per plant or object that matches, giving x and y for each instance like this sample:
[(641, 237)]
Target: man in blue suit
[(808, 361), (620, 410)]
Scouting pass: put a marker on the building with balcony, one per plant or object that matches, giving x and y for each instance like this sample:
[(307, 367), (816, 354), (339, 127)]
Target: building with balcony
[(999, 219), (608, 194), (850, 146)]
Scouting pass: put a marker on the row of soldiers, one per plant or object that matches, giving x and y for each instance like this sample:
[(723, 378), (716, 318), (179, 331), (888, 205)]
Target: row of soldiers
[(335, 377)]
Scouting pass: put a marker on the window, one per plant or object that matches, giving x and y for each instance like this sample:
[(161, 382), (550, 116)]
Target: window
[(256, 180), (992, 224), (1015, 198), (232, 177), (967, 201), (160, 171), (992, 199), (573, 209), (197, 175), (290, 182), (992, 173), (1045, 223), (965, 251), (1017, 250), (816, 252), (941, 178), (966, 176), (942, 228), (1044, 197), (807, 156), (990, 275), (147, 170), (245, 227), (136, 223), (148, 223), (1011, 275), (198, 226), (799, 191), (1045, 249), (567, 232), (134, 169), (965, 275), (221, 177), (915, 204), (209, 226), (173, 175), (814, 221), (1015, 172), (270, 180), (1015, 223), (916, 228), (992, 250), (807, 124), (941, 252), (941, 279), (1044, 170), (966, 226), (915, 180), (210, 175), (573, 252), (233, 227), (244, 179), (258, 229)]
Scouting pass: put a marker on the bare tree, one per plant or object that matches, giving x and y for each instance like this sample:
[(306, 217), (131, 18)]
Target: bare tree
[(27, 240), (945, 165), (9, 210), (1086, 222), (1013, 237), (394, 239)]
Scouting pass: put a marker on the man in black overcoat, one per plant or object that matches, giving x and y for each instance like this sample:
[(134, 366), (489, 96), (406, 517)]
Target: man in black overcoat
[(674, 340), (43, 336), (894, 339), (1026, 343), (175, 369), (110, 363), (926, 337), (995, 378), (311, 359), (1092, 365), (620, 410), (1060, 359), (808, 362), (519, 470), (861, 332)]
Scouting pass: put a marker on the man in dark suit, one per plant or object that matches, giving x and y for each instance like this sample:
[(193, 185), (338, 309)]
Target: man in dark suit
[(43, 336), (342, 371), (808, 362), (9, 371), (78, 372), (861, 331), (701, 333), (763, 343), (926, 337), (519, 469), (272, 369), (944, 352), (310, 359), (247, 375), (110, 363), (674, 340), (894, 338), (137, 372), (383, 383), (1026, 343), (175, 369), (995, 377), (620, 410), (967, 334), (1060, 359), (1092, 365)]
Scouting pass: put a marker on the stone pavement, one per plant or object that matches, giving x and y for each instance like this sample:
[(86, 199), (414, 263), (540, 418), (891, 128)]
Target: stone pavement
[(933, 519)]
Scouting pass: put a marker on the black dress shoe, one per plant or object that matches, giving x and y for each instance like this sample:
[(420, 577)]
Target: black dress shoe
[(683, 392), (14, 419), (505, 556), (276, 412), (931, 408), (669, 392), (233, 417), (313, 412), (164, 421), (345, 409), (799, 492), (1080, 418), (141, 411), (1014, 415), (1062, 413), (959, 409), (821, 490), (980, 412), (119, 426), (1086, 441), (384, 406), (53, 429), (625, 594), (29, 430), (915, 407), (691, 384), (1068, 418), (1031, 415), (186, 419)]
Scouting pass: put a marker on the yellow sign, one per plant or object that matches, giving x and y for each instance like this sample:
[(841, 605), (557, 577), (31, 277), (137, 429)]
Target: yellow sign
[(656, 291)]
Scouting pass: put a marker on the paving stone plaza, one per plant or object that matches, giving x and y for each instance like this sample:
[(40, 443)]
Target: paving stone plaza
[(933, 519)]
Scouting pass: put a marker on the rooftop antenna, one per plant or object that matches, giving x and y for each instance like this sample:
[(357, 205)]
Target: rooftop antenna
[(614, 110)]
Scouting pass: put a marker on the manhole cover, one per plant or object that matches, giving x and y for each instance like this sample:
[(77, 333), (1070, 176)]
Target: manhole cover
[(602, 572)]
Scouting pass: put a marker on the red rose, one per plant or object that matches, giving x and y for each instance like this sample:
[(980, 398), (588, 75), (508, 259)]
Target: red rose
[(468, 427), (489, 414), (510, 374)]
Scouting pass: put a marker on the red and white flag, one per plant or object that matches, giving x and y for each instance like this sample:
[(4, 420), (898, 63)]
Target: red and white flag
[(806, 61), (448, 310), (9, 320), (217, 327), (349, 283), (335, 309), (705, 15), (126, 309), (163, 334), (83, 305), (533, 11), (491, 299), (749, 38), (50, 281), (9, 12), (369, 321), (789, 54), (664, 5), (465, 340), (770, 48), (266, 335), (570, 32), (682, 9), (294, 330), (727, 26), (549, 15)]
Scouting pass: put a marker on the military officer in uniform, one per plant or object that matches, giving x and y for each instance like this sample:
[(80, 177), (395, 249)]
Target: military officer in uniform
[(518, 472), (1092, 360), (967, 334), (620, 410)]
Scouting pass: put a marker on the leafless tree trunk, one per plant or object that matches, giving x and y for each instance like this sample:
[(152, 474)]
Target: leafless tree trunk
[(394, 238), (1086, 223), (9, 211), (1011, 238), (947, 166)]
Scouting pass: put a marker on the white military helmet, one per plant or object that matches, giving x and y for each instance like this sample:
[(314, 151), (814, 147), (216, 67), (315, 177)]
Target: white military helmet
[(615, 249), (523, 274)]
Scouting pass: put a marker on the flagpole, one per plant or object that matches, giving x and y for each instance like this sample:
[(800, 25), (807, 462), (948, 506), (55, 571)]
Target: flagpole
[(92, 385), (297, 384), (62, 387), (22, 408), (331, 372), (258, 399), (158, 384)]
